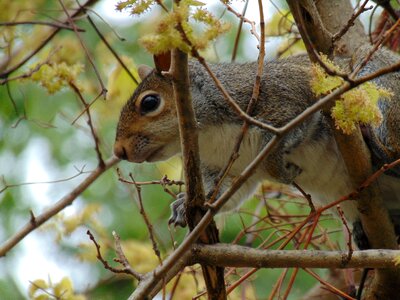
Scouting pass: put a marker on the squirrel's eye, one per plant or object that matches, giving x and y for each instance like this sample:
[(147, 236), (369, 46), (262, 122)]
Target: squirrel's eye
[(149, 103)]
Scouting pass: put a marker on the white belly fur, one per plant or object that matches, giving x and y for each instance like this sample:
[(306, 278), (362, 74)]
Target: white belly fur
[(324, 175)]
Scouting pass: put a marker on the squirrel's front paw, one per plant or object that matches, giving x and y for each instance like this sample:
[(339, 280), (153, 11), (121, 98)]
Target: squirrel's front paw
[(178, 216)]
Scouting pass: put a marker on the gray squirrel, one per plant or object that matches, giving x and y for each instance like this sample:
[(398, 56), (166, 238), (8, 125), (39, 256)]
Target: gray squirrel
[(308, 155)]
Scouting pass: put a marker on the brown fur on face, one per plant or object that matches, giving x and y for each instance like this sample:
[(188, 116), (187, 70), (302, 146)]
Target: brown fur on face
[(146, 137)]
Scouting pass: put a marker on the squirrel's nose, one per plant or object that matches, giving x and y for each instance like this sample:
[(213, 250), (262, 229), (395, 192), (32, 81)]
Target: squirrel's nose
[(120, 151)]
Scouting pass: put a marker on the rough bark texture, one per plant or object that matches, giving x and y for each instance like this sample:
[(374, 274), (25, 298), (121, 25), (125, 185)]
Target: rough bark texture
[(213, 276), (335, 15), (229, 255), (331, 16)]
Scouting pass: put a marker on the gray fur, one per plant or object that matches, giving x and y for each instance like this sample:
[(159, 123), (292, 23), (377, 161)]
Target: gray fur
[(384, 140)]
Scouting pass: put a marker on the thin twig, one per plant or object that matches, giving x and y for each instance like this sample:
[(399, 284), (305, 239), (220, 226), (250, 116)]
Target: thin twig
[(52, 34), (164, 182), (32, 71), (105, 263), (349, 235), (147, 221), (122, 258), (122, 39), (161, 4), (330, 287), (89, 57), (253, 29), (350, 22), (280, 52), (85, 109), (238, 33), (7, 186), (253, 101), (305, 195), (43, 290), (115, 54), (90, 123), (56, 208), (375, 47), (44, 23), (10, 96)]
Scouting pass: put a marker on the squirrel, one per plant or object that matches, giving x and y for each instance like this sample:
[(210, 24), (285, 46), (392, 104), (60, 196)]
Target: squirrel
[(308, 155)]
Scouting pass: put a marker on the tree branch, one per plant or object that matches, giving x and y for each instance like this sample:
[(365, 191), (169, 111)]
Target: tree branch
[(236, 256), (56, 208), (43, 23), (85, 49), (214, 276)]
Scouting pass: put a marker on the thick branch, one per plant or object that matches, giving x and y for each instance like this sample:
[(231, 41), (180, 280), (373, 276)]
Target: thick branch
[(236, 256), (214, 276), (153, 281), (194, 194), (336, 16)]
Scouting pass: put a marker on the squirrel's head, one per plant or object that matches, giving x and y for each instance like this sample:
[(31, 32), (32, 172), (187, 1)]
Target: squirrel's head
[(148, 127)]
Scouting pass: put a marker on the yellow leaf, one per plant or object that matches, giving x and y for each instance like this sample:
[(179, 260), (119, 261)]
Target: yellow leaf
[(321, 82), (359, 105), (55, 76), (38, 284), (64, 288)]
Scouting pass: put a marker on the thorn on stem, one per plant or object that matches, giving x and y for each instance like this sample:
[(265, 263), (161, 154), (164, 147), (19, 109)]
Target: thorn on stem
[(33, 218)]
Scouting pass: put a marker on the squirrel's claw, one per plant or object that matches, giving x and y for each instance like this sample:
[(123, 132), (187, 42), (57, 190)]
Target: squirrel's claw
[(178, 216)]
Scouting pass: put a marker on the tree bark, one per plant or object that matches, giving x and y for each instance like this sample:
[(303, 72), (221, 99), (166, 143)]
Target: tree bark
[(236, 256), (195, 198)]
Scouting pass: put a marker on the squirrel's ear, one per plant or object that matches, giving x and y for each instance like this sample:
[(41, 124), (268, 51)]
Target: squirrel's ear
[(144, 70), (162, 61)]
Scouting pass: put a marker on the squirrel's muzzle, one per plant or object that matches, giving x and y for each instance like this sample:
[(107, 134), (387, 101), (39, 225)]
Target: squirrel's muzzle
[(134, 148), (120, 151)]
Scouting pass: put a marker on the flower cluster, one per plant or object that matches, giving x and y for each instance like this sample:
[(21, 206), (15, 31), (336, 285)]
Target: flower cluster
[(359, 105), (177, 28), (55, 76)]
